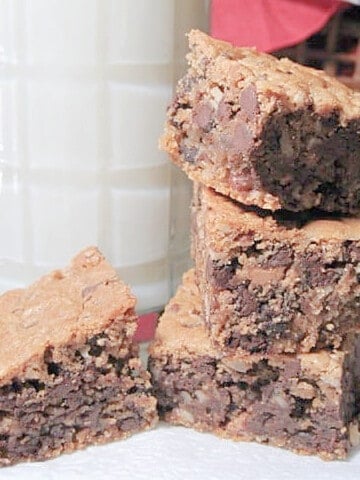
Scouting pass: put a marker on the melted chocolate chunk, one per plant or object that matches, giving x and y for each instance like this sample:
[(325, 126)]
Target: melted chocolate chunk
[(246, 302), (221, 275), (248, 102), (283, 257), (316, 273)]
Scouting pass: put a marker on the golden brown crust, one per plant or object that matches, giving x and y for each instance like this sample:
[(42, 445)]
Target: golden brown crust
[(227, 216), (181, 321), (181, 331), (65, 305), (281, 81)]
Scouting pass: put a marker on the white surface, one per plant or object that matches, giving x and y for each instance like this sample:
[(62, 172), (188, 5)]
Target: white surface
[(177, 453)]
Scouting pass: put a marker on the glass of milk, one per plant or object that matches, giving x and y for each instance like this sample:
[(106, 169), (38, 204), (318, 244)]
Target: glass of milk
[(84, 86)]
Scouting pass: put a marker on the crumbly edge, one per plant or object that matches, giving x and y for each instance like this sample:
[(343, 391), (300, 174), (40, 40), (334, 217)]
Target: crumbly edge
[(272, 291), (250, 397), (272, 297), (305, 403), (292, 84), (73, 396)]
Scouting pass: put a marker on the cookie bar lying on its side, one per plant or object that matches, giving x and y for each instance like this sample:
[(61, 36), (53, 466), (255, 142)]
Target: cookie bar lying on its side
[(70, 375), (275, 283), (264, 131), (307, 402)]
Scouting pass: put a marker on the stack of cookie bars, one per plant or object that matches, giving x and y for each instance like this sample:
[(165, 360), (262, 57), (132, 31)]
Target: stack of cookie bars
[(262, 340)]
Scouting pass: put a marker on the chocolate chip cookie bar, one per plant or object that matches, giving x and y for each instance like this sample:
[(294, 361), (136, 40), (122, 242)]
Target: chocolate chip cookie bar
[(264, 131), (70, 375), (307, 403), (275, 282)]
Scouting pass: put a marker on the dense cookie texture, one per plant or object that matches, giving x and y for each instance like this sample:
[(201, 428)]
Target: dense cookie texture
[(70, 375), (271, 283), (264, 131), (306, 402)]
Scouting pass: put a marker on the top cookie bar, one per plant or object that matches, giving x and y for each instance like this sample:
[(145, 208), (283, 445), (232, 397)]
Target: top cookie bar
[(264, 131)]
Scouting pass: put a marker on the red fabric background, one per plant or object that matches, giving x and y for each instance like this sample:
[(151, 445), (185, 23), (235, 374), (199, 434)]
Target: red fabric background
[(146, 327), (269, 24)]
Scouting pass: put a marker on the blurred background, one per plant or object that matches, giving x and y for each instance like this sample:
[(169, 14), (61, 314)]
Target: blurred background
[(323, 34), (84, 86), (335, 48)]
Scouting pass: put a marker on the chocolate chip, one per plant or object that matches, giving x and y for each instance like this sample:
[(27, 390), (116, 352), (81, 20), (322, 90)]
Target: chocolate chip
[(245, 302), (282, 258), (95, 350), (242, 385), (57, 431), (224, 111), (189, 153), (300, 407), (129, 424), (96, 347), (221, 275), (331, 121), (242, 138), (35, 384), (16, 386), (248, 102), (277, 330), (351, 251), (316, 272), (54, 369), (203, 116), (117, 363), (317, 278)]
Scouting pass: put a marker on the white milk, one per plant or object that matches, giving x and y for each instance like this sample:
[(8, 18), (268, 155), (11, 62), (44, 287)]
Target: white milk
[(84, 86)]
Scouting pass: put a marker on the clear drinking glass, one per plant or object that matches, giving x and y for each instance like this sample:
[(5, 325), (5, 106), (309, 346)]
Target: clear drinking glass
[(84, 86)]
